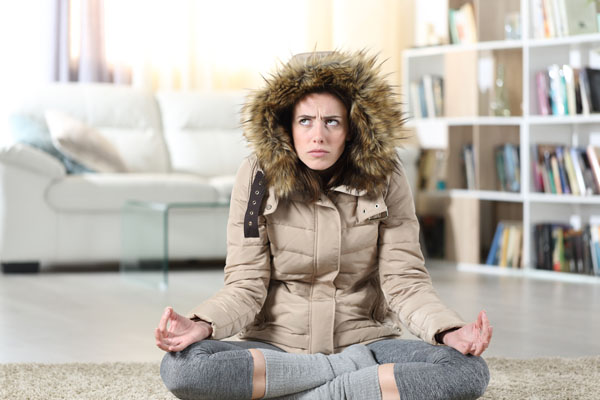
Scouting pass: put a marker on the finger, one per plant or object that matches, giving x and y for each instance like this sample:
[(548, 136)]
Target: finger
[(488, 336), (485, 322), (478, 349), (162, 325), (479, 322), (178, 346)]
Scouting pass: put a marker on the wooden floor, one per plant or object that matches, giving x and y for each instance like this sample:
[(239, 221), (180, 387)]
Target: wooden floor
[(101, 316)]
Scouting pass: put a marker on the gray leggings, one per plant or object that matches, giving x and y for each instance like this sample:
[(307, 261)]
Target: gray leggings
[(213, 369)]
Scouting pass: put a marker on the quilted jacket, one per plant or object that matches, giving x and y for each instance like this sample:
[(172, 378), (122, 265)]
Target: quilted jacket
[(347, 268)]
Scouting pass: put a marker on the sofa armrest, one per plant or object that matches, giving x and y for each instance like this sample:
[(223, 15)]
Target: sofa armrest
[(34, 160)]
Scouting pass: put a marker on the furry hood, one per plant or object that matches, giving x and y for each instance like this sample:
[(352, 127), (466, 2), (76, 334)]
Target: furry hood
[(374, 114)]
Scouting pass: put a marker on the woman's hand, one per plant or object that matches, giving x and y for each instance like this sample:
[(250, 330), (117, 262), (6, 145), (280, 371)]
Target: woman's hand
[(176, 332), (473, 338)]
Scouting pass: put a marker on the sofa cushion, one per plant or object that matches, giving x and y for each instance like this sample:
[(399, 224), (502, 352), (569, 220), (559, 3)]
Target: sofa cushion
[(206, 124), (83, 143), (28, 130), (127, 117), (104, 192)]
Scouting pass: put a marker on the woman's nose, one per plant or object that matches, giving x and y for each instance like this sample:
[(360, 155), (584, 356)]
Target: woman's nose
[(318, 133)]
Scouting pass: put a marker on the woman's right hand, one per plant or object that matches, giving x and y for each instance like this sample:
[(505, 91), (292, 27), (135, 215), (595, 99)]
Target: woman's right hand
[(176, 332)]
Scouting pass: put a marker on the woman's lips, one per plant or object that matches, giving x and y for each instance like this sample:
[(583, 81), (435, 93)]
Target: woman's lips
[(318, 153)]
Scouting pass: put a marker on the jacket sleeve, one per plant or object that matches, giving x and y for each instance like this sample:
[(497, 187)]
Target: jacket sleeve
[(247, 269), (404, 279)]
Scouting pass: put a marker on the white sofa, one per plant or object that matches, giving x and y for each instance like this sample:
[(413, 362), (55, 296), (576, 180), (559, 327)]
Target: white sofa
[(177, 147)]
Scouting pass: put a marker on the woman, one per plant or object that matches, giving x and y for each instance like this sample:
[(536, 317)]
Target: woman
[(323, 261)]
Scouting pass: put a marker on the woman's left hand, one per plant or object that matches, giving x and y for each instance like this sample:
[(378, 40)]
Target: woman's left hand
[(473, 338)]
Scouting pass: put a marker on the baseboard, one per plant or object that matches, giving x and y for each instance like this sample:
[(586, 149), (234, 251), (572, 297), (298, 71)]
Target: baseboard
[(21, 268)]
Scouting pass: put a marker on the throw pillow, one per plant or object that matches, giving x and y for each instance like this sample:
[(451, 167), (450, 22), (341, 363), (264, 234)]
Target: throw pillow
[(83, 143), (33, 132)]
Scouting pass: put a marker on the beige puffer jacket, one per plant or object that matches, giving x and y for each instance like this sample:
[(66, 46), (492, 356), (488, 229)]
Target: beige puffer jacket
[(345, 269)]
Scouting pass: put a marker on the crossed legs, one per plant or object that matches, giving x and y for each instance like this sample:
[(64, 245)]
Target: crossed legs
[(406, 370)]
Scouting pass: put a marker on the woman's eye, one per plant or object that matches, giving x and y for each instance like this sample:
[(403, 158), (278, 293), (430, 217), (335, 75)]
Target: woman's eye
[(304, 121), (333, 122)]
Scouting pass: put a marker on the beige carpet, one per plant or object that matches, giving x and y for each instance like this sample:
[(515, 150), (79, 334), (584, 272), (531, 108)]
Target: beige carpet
[(549, 378)]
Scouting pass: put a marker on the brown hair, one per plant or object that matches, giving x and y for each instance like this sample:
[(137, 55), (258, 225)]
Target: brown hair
[(311, 181)]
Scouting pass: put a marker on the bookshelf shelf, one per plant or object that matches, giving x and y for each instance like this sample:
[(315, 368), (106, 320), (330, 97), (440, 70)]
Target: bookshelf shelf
[(569, 40), (455, 48), (567, 119), (563, 198), (489, 99), (462, 121), (531, 273), (489, 195)]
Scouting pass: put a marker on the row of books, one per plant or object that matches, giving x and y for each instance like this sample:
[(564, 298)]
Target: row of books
[(558, 18), (561, 169), (461, 23), (427, 97), (506, 249), (432, 169), (561, 248), (568, 91)]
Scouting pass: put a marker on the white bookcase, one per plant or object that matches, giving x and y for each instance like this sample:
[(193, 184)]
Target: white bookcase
[(471, 215)]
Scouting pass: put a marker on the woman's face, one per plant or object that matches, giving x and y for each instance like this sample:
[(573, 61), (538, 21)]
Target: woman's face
[(319, 130)]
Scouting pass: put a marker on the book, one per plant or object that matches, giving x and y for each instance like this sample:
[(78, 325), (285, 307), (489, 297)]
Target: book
[(499, 158), (570, 89), (496, 242), (555, 174), (570, 170), (504, 247), (578, 173), (438, 95), (469, 160), (588, 175), (537, 13), (549, 21), (592, 77), (558, 251), (545, 155), (536, 174), (415, 101), (564, 182), (464, 19), (541, 79), (592, 154), (512, 169), (557, 90), (584, 90)]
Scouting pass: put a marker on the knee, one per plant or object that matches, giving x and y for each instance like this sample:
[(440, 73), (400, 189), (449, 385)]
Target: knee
[(471, 371), (175, 371), (171, 369), (481, 375)]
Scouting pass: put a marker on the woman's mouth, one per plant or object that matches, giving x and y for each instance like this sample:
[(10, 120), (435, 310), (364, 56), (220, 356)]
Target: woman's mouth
[(318, 153)]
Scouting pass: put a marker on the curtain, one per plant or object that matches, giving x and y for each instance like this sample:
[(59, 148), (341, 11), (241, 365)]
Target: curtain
[(208, 44)]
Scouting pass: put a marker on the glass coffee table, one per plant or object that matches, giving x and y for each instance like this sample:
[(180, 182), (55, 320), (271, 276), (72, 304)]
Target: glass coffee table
[(145, 238)]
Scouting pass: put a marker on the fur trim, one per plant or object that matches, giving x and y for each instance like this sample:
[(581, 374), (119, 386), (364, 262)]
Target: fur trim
[(375, 114)]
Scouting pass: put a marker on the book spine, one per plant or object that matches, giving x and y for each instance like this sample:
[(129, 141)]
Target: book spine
[(578, 172), (541, 79), (595, 166), (564, 182), (570, 168), (555, 174), (492, 255)]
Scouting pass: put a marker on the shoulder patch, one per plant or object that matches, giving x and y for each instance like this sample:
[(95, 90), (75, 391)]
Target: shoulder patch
[(257, 193)]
